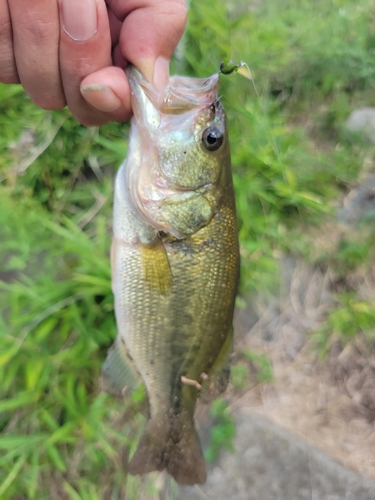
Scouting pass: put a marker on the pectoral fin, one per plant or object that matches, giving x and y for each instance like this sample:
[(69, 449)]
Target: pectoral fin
[(156, 268), (119, 374)]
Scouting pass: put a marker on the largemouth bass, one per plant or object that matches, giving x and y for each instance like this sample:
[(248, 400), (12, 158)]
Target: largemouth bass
[(175, 265)]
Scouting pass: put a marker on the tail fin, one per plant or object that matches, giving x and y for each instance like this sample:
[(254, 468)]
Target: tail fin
[(170, 443), (150, 453), (185, 460)]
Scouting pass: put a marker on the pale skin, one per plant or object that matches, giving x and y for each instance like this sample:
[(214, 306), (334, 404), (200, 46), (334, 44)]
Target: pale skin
[(72, 52)]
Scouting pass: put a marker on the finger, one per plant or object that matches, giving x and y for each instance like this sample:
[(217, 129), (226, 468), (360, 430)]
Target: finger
[(150, 33), (108, 90), (117, 58), (85, 48), (8, 70), (115, 27), (36, 39)]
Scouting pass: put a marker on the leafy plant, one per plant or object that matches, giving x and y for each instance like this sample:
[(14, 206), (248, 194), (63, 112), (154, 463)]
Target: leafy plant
[(344, 322), (262, 366), (239, 375), (222, 432), (251, 366)]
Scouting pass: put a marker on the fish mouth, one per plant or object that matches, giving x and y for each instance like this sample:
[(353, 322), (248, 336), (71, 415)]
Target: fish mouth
[(181, 94)]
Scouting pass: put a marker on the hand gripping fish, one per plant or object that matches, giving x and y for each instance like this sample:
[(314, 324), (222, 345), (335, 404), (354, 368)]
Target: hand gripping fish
[(175, 265)]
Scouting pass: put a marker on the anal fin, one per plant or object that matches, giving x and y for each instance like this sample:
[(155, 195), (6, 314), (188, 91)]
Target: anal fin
[(216, 381)]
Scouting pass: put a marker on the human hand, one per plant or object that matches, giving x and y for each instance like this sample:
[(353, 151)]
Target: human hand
[(72, 52)]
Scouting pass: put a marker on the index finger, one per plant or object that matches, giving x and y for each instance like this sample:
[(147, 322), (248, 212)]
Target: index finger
[(150, 33)]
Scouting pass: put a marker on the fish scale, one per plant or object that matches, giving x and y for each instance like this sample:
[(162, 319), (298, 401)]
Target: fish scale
[(175, 264)]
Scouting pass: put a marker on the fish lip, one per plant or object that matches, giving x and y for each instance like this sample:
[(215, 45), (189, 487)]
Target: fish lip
[(182, 93)]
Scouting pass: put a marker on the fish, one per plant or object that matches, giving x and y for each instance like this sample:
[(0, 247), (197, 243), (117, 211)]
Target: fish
[(175, 266)]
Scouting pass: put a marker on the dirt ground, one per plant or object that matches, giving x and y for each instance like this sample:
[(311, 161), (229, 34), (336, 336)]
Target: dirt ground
[(329, 402)]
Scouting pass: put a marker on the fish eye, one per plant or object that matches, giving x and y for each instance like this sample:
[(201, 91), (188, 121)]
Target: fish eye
[(212, 138)]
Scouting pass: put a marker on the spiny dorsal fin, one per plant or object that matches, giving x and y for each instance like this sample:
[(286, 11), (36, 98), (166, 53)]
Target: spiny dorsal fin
[(119, 374)]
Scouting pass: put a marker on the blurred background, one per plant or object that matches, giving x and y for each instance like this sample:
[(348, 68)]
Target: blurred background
[(302, 131)]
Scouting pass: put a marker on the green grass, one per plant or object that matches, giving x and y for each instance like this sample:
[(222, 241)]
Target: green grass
[(251, 368), (222, 431), (349, 319), (291, 160)]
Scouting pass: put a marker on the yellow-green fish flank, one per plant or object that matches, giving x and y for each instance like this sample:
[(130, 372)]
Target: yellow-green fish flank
[(175, 264)]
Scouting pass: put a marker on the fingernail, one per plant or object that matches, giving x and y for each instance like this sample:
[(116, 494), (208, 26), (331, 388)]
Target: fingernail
[(101, 97), (161, 73), (79, 18)]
